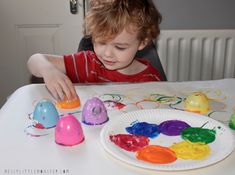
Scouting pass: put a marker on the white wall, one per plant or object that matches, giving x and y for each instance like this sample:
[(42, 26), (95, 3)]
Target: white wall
[(197, 14)]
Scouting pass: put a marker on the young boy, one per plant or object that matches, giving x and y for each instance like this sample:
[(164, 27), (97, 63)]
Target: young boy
[(118, 28)]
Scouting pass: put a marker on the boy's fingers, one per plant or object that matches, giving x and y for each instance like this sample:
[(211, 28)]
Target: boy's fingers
[(66, 90), (59, 92), (74, 93), (54, 93), (71, 89)]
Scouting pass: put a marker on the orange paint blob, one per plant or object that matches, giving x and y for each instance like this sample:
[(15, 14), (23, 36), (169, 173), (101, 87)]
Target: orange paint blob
[(156, 154), (68, 104)]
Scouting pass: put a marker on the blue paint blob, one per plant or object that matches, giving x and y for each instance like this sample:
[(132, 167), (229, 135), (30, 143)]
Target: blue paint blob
[(144, 129)]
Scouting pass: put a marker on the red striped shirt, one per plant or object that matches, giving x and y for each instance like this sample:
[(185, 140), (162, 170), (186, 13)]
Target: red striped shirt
[(85, 67)]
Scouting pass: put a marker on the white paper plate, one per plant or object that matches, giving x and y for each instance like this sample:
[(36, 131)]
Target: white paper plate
[(220, 148)]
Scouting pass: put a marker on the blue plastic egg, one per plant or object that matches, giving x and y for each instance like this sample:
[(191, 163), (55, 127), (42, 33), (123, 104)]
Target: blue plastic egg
[(45, 115)]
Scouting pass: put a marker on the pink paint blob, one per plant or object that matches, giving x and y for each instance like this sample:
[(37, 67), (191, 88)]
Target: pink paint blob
[(68, 131)]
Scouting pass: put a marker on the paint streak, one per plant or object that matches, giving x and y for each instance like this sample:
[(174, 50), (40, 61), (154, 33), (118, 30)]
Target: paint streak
[(32, 131), (156, 154), (110, 104), (191, 151), (139, 104), (39, 126), (144, 129), (113, 97), (172, 127), (129, 142), (196, 134), (163, 99)]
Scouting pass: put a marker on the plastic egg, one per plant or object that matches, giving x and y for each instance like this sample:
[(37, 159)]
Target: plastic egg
[(232, 121), (94, 112), (68, 131), (45, 115), (68, 104), (197, 102)]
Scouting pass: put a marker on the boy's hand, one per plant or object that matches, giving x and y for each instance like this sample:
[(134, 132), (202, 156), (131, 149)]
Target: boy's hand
[(59, 85)]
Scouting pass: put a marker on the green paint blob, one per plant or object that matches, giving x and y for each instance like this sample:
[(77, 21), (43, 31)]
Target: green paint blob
[(232, 121), (196, 134)]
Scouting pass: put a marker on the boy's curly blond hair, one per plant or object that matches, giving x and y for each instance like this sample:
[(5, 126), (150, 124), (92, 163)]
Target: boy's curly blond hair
[(107, 18)]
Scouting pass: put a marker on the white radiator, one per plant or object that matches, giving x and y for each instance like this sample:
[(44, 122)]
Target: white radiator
[(197, 54)]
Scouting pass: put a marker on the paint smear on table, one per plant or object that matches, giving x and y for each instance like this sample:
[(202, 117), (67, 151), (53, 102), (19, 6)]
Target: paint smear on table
[(144, 129), (111, 104), (129, 142), (196, 134), (172, 127), (156, 154), (191, 151)]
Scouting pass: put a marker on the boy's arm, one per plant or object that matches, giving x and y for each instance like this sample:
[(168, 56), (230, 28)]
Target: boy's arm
[(38, 64), (52, 69)]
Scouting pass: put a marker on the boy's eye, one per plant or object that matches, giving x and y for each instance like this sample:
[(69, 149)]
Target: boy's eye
[(120, 48)]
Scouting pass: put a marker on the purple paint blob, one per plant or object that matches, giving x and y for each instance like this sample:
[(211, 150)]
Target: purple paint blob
[(172, 127), (144, 129)]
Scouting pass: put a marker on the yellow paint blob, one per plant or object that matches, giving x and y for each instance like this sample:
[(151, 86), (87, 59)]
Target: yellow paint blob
[(68, 104), (193, 151), (197, 102)]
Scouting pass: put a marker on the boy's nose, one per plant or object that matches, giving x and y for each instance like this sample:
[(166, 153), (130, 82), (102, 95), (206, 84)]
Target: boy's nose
[(108, 51)]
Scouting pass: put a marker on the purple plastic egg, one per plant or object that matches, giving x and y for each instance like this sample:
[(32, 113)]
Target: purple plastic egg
[(94, 112)]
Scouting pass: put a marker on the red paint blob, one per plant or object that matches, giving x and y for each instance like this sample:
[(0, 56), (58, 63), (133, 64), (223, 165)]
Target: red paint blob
[(156, 154), (129, 142)]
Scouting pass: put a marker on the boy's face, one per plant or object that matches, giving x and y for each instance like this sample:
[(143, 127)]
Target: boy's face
[(118, 53)]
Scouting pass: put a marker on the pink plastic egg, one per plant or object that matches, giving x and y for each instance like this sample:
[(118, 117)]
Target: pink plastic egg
[(68, 131)]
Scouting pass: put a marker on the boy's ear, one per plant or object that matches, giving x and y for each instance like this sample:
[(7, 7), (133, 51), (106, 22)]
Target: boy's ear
[(143, 43)]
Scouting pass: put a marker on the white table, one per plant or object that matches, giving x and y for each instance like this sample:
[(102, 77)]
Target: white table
[(23, 154)]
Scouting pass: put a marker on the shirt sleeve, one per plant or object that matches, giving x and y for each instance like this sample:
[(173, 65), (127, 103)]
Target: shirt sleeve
[(70, 68), (74, 66)]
